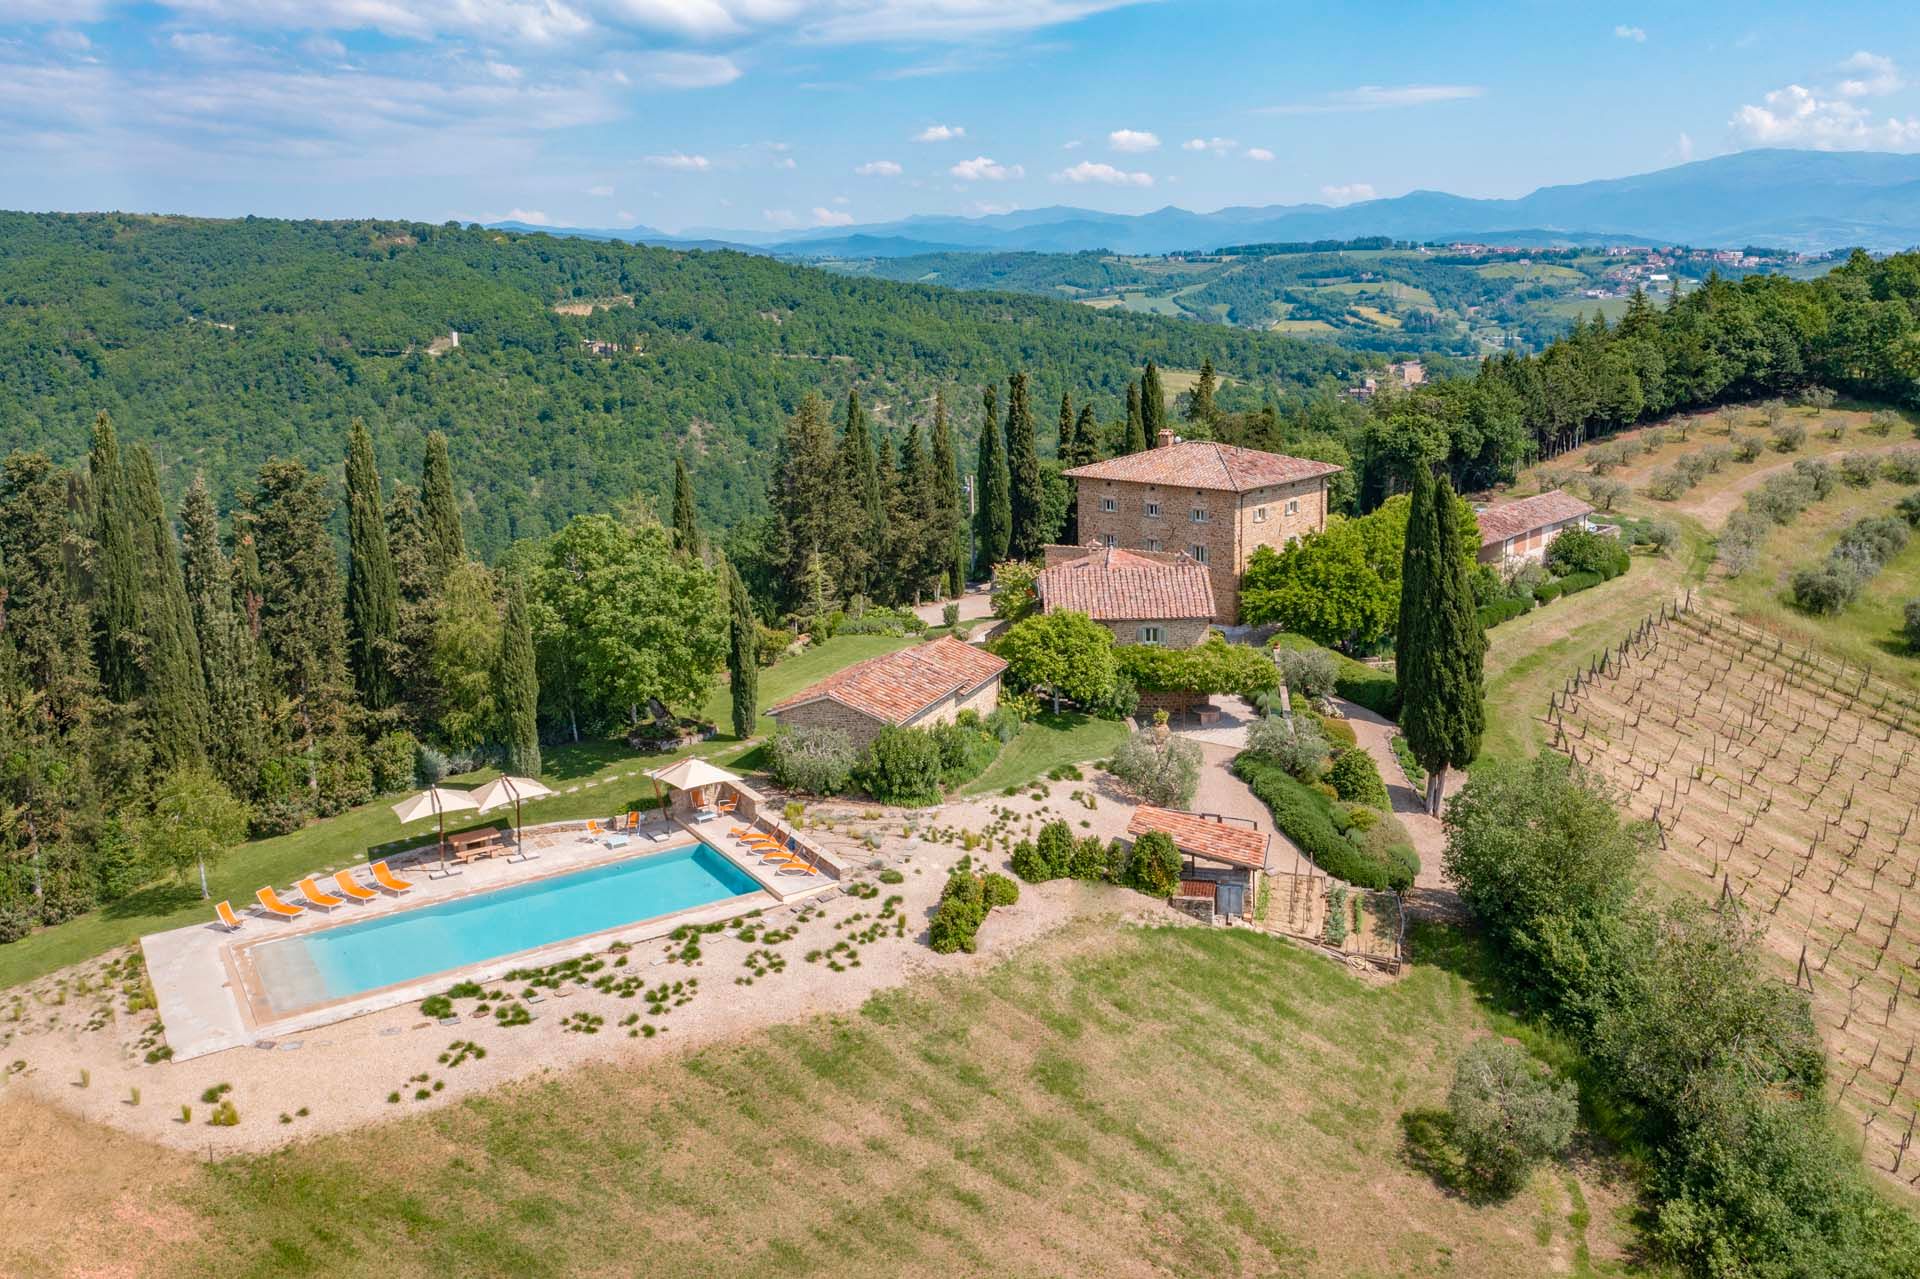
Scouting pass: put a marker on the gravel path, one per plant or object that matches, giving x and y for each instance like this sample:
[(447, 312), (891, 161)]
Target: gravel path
[(1373, 733)]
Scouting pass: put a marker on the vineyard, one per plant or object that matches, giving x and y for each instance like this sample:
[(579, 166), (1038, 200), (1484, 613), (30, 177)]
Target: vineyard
[(1786, 782)]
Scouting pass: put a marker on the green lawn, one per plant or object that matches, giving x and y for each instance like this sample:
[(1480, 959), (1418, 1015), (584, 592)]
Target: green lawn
[(1046, 743), (598, 769), (788, 676), (1112, 1101)]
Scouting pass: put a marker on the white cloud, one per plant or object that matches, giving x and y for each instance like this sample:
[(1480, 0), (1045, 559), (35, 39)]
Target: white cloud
[(602, 192), (1636, 34), (1376, 97), (1348, 192), (980, 169), (68, 40), (679, 160), (1798, 116), (532, 217), (852, 21), (685, 70), (940, 133), (629, 218), (1094, 171), (1219, 146), (503, 71), (1072, 144), (831, 217), (783, 218), (1874, 76), (1133, 140), (208, 46), (1259, 153), (1683, 147), (324, 47), (521, 21), (878, 169)]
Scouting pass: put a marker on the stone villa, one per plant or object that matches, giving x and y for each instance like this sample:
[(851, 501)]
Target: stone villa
[(1143, 597), (1215, 503), (915, 687)]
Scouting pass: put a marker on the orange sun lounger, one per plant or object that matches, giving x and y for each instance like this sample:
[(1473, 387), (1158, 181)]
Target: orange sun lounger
[(315, 895), (385, 878), (271, 903), (352, 889), (224, 913)]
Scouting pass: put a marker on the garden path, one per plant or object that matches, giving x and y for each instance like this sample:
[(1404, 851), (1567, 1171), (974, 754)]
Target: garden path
[(1374, 733)]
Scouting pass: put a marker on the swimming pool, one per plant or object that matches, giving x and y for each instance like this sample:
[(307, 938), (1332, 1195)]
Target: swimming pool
[(335, 963)]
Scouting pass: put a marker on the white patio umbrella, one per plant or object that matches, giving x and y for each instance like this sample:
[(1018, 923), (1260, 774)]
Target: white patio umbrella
[(691, 774), (509, 790), (435, 801)]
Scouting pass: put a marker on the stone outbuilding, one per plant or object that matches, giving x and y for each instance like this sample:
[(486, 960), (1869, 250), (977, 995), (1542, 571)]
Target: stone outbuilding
[(914, 687), (1221, 859), (1516, 533), (1143, 597), (1216, 503)]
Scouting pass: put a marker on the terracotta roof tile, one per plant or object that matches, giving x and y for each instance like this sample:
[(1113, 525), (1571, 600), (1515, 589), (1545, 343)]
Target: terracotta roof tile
[(1203, 836), (895, 687), (1511, 519), (1203, 464), (1110, 585)]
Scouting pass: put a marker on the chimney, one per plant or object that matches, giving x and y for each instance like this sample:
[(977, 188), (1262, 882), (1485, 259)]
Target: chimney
[(1166, 438)]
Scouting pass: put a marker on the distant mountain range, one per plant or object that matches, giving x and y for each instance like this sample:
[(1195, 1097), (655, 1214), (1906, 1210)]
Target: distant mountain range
[(1810, 201)]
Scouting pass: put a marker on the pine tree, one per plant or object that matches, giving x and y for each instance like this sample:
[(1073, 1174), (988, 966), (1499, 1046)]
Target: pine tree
[(406, 522), (116, 573), (859, 503), (803, 497), (174, 690), (236, 708), (1153, 406), (1136, 425), (519, 685), (686, 526), (916, 545), (1086, 438), (446, 543), (373, 591), (995, 521), (743, 656), (946, 471), (1023, 474), (1200, 410), (1440, 646)]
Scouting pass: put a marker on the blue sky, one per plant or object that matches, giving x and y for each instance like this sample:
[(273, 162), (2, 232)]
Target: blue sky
[(775, 114)]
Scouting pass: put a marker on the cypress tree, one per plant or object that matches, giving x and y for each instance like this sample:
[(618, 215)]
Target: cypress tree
[(803, 496), (946, 473), (1153, 406), (1066, 450), (1200, 410), (686, 526), (406, 522), (1023, 473), (116, 572), (174, 701), (519, 685), (995, 489), (236, 708), (1440, 645), (1086, 438), (858, 526), (446, 543), (743, 655), (1136, 424), (373, 589)]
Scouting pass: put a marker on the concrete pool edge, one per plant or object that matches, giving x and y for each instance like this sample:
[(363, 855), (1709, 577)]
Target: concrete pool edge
[(202, 994)]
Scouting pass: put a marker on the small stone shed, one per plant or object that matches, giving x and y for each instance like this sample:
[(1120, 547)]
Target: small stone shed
[(1221, 858), (915, 687), (1516, 533)]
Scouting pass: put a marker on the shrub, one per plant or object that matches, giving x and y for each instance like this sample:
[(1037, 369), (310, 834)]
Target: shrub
[(1093, 859), (1902, 466), (1576, 550), (1910, 618), (1162, 771), (1503, 611), (901, 766), (1310, 671), (1316, 823), (1787, 437), (1859, 469), (1574, 583), (956, 922), (1029, 865), (1055, 848), (1873, 541), (1508, 1113), (392, 757), (950, 615), (965, 750), (812, 760), (1356, 779), (1301, 751), (1882, 423), (1364, 685), (998, 890), (1908, 509), (1154, 866), (1745, 447), (1005, 721), (1547, 592)]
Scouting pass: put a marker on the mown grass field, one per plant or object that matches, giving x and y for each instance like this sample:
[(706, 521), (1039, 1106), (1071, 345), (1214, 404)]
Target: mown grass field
[(1045, 744), (789, 675), (1109, 1101)]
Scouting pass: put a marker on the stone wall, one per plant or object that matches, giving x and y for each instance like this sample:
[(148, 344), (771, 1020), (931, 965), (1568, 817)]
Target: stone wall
[(1179, 632)]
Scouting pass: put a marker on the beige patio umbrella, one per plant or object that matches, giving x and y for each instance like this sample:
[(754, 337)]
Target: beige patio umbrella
[(509, 790), (435, 801), (690, 774)]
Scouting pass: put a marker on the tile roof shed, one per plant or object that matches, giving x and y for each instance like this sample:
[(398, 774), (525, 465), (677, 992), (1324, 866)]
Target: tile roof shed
[(1199, 836), (1511, 519), (896, 687)]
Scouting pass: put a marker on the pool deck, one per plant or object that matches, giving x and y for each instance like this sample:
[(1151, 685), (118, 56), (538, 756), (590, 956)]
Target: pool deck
[(209, 1002)]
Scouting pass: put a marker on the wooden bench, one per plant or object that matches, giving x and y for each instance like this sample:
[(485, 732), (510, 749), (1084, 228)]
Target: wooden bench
[(470, 844)]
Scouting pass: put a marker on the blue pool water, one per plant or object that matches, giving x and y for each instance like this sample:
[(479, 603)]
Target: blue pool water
[(298, 972)]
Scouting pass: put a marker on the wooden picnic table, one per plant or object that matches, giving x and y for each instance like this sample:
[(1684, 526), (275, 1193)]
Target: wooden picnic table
[(469, 844)]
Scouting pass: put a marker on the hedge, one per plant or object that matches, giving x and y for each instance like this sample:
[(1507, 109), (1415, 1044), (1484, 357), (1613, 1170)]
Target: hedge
[(1548, 592), (1318, 825), (1357, 682), (1503, 611), (1574, 583)]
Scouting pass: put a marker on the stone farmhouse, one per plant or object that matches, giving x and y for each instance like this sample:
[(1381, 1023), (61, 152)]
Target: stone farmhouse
[(913, 688), (1143, 597), (1516, 533), (1221, 861), (1213, 502)]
